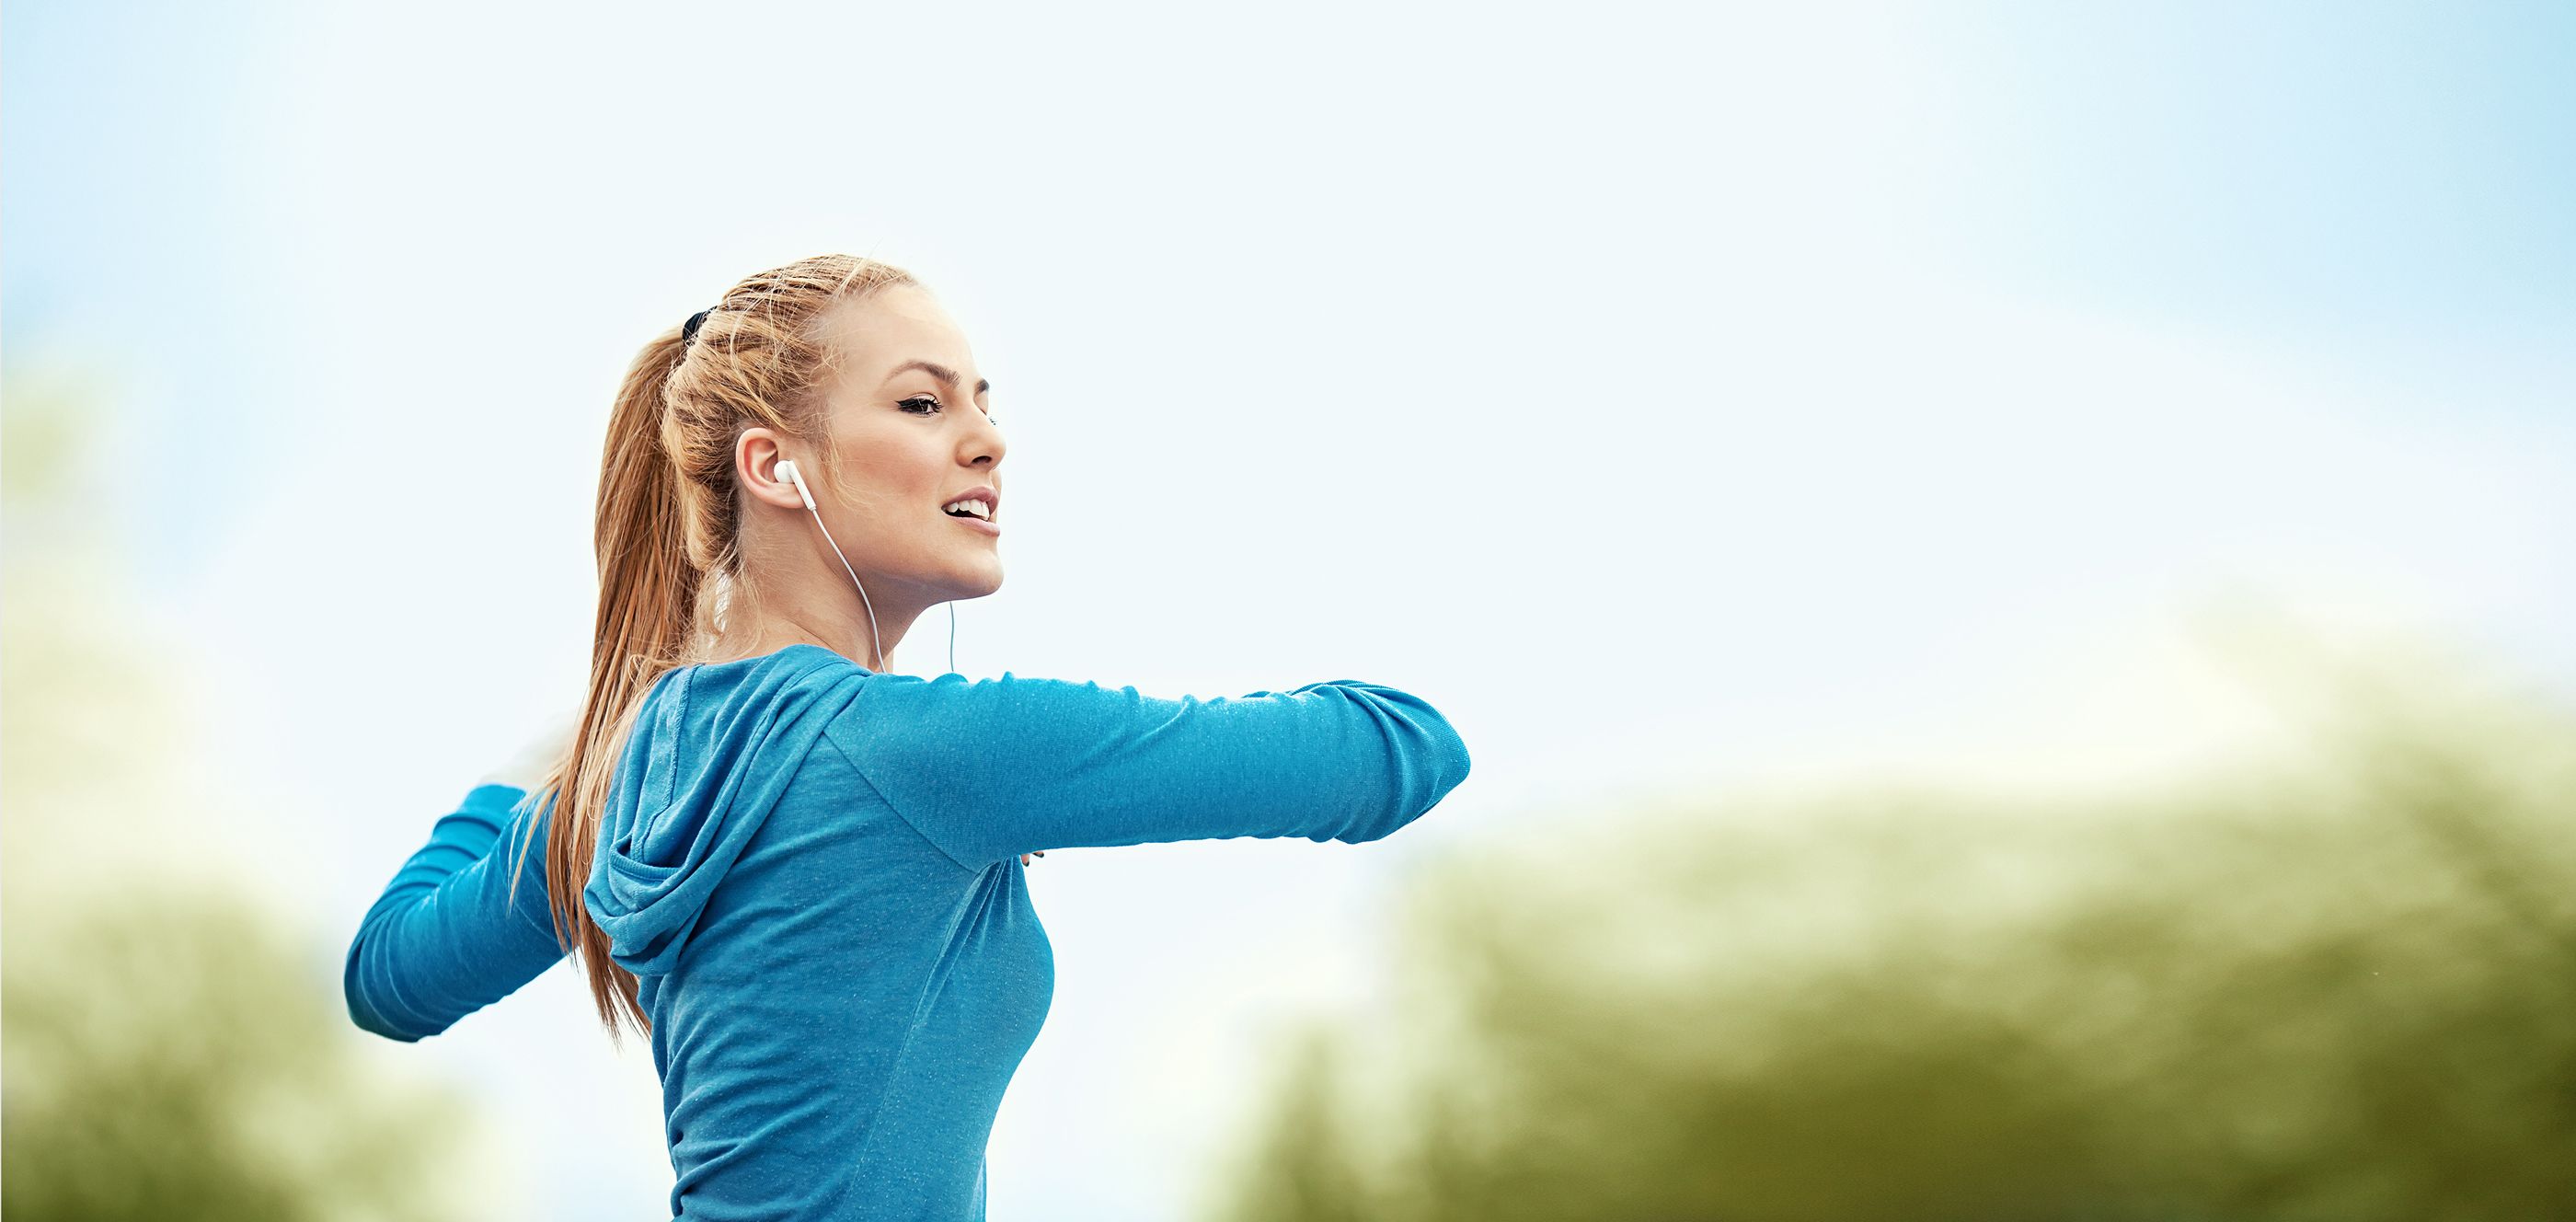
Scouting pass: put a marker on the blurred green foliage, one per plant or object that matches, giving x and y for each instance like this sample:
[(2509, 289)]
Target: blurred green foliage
[(168, 1056), (171, 1045), (2337, 986)]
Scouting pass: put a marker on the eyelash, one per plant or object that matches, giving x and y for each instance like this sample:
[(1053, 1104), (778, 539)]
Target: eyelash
[(906, 404)]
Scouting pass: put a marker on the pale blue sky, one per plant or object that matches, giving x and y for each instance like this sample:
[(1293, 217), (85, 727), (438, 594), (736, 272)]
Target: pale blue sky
[(1671, 395), (2341, 171), (2350, 178)]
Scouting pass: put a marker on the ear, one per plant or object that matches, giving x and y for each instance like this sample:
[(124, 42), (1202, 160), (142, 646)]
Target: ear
[(755, 460)]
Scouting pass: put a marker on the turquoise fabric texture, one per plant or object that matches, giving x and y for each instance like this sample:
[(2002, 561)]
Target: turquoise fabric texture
[(447, 937), (814, 872)]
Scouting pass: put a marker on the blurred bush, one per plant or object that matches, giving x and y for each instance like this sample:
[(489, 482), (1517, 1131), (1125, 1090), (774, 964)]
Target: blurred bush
[(172, 1045), (2339, 984), (168, 1056)]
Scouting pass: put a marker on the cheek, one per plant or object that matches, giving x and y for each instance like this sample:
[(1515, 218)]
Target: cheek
[(898, 478)]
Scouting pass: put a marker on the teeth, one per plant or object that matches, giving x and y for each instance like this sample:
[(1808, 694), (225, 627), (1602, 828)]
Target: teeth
[(970, 505)]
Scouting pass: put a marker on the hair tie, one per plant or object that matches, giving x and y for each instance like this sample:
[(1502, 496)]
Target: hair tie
[(690, 331)]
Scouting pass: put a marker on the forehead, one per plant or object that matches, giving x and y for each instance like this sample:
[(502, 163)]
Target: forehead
[(869, 337)]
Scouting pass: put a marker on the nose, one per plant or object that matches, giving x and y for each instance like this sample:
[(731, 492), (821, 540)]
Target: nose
[(984, 446)]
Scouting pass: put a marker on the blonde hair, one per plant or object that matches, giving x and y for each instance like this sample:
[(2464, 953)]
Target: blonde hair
[(669, 564)]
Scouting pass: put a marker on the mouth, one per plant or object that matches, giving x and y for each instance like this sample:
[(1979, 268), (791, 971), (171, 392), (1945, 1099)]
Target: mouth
[(975, 523), (976, 507)]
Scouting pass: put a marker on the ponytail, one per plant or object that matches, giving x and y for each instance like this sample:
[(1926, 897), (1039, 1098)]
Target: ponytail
[(648, 593)]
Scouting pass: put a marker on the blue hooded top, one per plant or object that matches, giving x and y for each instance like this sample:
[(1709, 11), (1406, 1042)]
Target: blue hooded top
[(813, 870)]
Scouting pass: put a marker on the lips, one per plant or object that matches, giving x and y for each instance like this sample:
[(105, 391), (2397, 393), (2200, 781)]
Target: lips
[(985, 493)]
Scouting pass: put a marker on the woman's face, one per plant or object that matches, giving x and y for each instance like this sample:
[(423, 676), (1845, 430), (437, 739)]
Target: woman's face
[(907, 416)]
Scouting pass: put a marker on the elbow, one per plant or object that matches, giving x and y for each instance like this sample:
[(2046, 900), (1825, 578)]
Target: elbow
[(1440, 761), (373, 1024), (1454, 761), (1429, 760), (362, 1012), (1445, 767)]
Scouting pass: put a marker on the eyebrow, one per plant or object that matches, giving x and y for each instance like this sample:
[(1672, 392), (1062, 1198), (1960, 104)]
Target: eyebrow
[(941, 372)]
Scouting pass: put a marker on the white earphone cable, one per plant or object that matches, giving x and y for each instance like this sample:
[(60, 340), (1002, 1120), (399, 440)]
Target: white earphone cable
[(787, 471), (863, 590)]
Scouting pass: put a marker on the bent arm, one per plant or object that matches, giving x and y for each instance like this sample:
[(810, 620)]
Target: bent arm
[(994, 768), (447, 938)]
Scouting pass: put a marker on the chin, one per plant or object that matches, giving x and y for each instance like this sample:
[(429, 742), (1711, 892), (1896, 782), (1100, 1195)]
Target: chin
[(977, 588)]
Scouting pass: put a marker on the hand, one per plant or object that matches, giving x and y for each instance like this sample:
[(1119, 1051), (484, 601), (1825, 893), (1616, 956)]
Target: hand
[(1024, 857)]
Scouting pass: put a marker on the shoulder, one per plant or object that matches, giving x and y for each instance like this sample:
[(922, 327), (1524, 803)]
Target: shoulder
[(703, 722), (953, 727)]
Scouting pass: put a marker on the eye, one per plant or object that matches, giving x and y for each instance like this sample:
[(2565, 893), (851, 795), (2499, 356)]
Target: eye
[(907, 404)]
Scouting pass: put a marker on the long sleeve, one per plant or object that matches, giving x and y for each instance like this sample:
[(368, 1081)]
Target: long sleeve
[(993, 768), (446, 938)]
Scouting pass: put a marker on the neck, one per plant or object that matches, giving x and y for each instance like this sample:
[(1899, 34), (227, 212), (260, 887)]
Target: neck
[(832, 617)]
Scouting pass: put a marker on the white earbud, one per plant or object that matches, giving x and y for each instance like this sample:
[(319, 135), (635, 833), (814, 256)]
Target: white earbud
[(786, 470)]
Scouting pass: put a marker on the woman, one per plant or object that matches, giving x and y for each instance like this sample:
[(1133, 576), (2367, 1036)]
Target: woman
[(802, 875)]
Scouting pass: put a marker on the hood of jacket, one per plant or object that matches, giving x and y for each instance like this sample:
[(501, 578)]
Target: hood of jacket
[(713, 749)]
